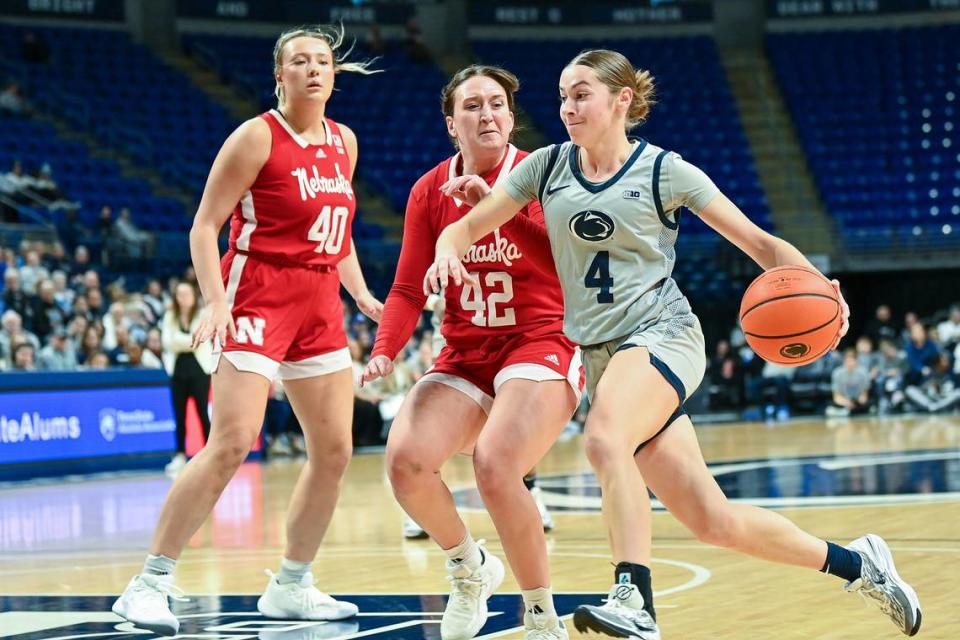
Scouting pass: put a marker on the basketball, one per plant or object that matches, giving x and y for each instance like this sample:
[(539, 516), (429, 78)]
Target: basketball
[(790, 315)]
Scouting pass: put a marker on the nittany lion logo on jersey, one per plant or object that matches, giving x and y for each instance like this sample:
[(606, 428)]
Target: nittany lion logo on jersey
[(592, 226)]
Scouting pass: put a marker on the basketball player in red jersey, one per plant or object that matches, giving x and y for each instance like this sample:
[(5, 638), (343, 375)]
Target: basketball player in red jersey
[(273, 309), (506, 359)]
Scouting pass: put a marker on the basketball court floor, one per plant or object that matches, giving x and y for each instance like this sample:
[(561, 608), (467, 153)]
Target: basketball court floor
[(68, 546)]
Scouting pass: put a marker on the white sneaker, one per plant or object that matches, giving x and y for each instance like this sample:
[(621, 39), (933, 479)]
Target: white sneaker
[(173, 467), (144, 603), (880, 583), (621, 616), (542, 508), (543, 626), (301, 601), (466, 611), (411, 530)]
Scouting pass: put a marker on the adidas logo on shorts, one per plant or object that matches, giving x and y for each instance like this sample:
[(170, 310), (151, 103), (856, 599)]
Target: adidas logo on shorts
[(553, 358)]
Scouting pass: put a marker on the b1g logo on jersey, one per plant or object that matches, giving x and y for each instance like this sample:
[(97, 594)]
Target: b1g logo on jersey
[(592, 226), (250, 330)]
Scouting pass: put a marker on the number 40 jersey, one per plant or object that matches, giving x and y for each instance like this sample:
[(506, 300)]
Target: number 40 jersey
[(518, 291), (300, 208)]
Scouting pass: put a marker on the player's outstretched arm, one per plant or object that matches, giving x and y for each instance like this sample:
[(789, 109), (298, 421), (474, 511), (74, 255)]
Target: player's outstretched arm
[(489, 214)]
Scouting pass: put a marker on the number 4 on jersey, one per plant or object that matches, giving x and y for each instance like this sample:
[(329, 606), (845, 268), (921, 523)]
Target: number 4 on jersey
[(598, 277)]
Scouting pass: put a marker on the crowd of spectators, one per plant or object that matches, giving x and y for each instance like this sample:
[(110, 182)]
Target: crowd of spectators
[(910, 366)]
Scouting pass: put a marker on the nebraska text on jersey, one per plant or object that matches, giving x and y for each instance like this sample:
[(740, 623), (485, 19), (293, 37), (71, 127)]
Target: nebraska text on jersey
[(500, 250), (312, 185)]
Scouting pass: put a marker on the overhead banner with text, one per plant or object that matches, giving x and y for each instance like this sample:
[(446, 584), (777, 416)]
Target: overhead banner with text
[(106, 10), (822, 8), (589, 13), (296, 11)]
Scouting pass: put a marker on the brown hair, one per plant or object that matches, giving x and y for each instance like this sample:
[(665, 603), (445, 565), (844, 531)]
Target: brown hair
[(615, 71), (334, 37), (501, 76), (175, 305)]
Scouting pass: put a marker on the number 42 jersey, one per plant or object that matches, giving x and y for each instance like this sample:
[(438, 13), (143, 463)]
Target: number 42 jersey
[(300, 208), (518, 291)]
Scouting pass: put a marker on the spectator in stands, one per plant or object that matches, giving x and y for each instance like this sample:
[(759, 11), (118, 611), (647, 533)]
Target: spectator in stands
[(189, 370), (881, 327), (55, 258), (90, 345), (921, 354), (910, 319), (867, 358), (367, 421), (81, 308), (850, 384), (59, 354), (374, 40), (13, 333), (135, 313), (47, 314), (76, 330), (34, 49), (131, 241), (726, 378), (46, 187), (414, 45), (772, 390), (12, 103), (32, 272), (134, 355), (95, 302), (937, 391), (17, 183), (118, 353), (112, 321), (949, 329), (73, 231), (155, 301), (98, 360), (153, 350), (81, 264), (63, 294), (422, 359), (14, 297), (23, 357)]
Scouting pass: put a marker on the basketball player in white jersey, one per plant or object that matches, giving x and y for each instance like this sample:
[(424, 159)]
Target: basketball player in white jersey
[(612, 207)]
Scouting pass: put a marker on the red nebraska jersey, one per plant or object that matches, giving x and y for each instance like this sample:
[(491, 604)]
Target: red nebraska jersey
[(519, 292), (300, 208)]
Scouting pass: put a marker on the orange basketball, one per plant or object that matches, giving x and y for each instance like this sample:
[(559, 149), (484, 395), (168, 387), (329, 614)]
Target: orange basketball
[(790, 315)]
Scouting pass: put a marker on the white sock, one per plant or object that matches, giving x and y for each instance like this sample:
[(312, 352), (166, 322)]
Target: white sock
[(292, 571), (466, 553), (540, 597), (159, 565)]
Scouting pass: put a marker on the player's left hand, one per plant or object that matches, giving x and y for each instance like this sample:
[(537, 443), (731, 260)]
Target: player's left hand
[(469, 188), (369, 306), (446, 269), (845, 310)]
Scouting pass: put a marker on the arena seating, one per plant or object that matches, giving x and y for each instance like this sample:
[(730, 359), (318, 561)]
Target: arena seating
[(876, 112)]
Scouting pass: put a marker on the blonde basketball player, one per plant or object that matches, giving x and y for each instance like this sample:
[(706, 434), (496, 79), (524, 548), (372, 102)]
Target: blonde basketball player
[(273, 304), (612, 207)]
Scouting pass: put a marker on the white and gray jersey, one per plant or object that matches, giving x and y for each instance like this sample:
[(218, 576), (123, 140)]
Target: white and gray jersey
[(613, 242)]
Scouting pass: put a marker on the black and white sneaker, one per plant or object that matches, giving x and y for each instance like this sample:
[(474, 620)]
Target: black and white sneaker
[(621, 616), (880, 584)]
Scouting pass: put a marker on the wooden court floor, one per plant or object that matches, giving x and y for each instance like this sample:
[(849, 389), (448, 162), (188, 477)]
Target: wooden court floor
[(898, 477)]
